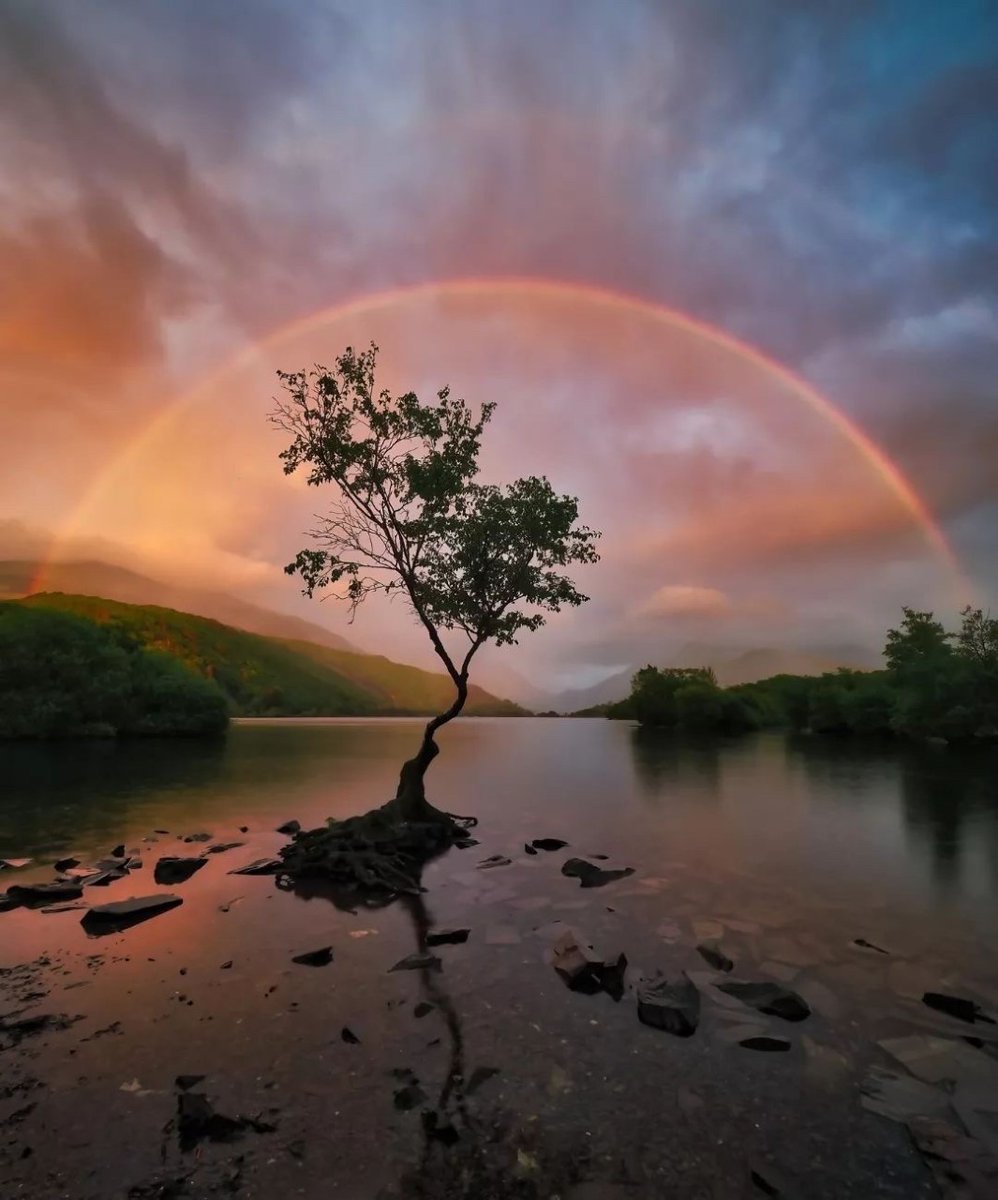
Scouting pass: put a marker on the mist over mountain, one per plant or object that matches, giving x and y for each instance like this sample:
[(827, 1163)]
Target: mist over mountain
[(94, 578)]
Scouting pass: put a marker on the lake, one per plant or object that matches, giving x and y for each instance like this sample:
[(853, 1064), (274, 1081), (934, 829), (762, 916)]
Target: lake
[(859, 876)]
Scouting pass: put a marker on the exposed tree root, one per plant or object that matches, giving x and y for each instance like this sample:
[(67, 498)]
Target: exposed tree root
[(377, 852)]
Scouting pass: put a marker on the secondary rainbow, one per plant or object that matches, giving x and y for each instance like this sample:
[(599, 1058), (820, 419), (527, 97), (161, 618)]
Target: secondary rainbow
[(511, 287)]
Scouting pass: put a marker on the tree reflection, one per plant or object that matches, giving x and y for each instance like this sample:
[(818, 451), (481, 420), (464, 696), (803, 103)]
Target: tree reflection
[(664, 760)]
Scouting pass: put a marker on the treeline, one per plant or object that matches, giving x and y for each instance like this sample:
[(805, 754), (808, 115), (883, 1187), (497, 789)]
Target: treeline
[(62, 675), (935, 684)]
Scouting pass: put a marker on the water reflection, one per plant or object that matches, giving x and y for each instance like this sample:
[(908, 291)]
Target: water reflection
[(664, 761)]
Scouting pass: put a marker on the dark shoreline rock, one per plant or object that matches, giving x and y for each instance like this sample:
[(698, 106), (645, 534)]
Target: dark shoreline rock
[(172, 870), (673, 1007), (591, 876)]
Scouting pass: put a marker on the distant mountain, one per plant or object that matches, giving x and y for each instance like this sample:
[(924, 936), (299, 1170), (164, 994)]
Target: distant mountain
[(117, 583), (730, 665), (265, 676)]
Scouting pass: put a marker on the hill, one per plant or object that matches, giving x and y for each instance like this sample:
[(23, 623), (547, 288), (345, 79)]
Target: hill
[(730, 665), (263, 676), (95, 578)]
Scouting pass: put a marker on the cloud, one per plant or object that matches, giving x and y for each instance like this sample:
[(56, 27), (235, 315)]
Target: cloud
[(680, 600)]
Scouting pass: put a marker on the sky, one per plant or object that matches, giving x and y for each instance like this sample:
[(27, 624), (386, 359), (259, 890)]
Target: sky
[(188, 186)]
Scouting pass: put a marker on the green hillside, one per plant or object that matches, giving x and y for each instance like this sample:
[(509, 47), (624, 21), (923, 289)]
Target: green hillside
[(263, 676)]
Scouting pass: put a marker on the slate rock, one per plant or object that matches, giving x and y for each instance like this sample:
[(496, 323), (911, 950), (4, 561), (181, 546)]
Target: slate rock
[(315, 958), (198, 837), (865, 945), (44, 893), (494, 860), (9, 903), (418, 962), (528, 849), (714, 956), (670, 1006), (118, 851), (963, 1168), (953, 1006), (409, 1097), (447, 937), (347, 1035), (66, 864), (176, 870), (479, 1076), (289, 827), (591, 876), (103, 878), (765, 1042), (465, 843), (549, 844), (221, 847), (122, 914), (768, 998), (260, 866), (584, 970)]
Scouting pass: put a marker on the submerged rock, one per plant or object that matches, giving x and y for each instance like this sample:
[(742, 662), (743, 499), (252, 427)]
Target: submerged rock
[(197, 1121), (714, 956), (112, 918), (765, 1042), (289, 827), (953, 1006), (672, 1007), (418, 962), (44, 893), (447, 937), (494, 860), (549, 844), (176, 870), (315, 958), (584, 970), (260, 866), (768, 998), (591, 876)]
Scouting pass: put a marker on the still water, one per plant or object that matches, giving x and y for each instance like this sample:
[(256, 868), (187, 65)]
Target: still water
[(785, 849)]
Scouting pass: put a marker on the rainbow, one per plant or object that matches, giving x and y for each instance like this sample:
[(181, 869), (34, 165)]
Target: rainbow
[(518, 286)]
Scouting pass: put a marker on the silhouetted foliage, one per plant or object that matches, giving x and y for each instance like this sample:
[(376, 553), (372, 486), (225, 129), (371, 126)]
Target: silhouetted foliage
[(63, 675), (936, 684)]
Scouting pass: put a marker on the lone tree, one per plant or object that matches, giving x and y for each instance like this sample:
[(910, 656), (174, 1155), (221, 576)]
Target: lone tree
[(474, 561)]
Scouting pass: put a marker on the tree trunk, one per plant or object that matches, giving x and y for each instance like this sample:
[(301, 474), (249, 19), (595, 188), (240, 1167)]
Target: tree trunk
[(410, 799)]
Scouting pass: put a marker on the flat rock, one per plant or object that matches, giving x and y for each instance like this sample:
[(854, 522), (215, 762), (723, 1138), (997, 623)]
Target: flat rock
[(447, 937), (671, 1006), (69, 906), (768, 998), (899, 1097), (320, 958), (494, 860), (48, 893), (764, 1041), (956, 1006), (176, 870), (591, 876), (962, 1168), (289, 828), (221, 847), (260, 866), (583, 969), (714, 956), (110, 918), (937, 1059), (315, 958), (418, 962), (548, 844)]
